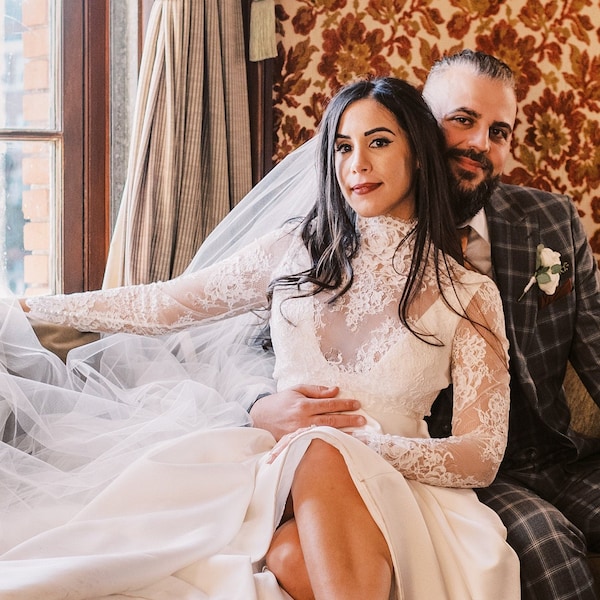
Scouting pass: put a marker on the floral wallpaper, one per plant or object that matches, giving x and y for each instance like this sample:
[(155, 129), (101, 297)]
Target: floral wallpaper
[(552, 45)]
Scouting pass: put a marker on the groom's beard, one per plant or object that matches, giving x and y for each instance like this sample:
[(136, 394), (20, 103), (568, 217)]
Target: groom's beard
[(468, 201)]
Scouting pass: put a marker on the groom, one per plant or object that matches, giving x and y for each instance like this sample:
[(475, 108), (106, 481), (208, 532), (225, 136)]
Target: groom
[(547, 491)]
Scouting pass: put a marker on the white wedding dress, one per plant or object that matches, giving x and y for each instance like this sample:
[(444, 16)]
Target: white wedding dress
[(191, 512)]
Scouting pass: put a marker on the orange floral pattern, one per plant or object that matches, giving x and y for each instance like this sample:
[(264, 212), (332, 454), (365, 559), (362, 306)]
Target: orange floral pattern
[(552, 45)]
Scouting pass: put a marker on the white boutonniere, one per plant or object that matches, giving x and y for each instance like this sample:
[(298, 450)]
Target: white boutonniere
[(548, 269)]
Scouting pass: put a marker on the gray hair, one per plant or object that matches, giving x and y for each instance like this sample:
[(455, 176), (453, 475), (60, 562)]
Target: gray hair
[(482, 64)]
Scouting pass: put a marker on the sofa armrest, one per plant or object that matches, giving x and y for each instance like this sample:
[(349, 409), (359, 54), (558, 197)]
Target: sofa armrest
[(59, 339), (585, 414)]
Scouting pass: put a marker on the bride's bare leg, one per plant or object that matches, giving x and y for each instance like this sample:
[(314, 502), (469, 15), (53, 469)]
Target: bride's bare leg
[(344, 551), (286, 561)]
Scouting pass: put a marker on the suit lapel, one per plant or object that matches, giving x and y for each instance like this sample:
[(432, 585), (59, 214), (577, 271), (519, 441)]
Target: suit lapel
[(514, 241)]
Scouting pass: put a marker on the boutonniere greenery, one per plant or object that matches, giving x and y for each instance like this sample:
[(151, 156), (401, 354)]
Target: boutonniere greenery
[(548, 269)]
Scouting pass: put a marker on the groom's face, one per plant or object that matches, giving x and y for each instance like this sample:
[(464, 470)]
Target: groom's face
[(477, 115)]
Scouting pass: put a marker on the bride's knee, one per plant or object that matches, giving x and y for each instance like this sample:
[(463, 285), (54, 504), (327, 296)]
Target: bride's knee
[(285, 560), (285, 554), (323, 455)]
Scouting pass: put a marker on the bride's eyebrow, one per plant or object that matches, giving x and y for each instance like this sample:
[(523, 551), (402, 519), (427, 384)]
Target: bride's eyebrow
[(378, 130), (366, 133)]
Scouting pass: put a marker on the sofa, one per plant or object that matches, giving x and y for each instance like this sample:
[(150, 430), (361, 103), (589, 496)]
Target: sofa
[(585, 414)]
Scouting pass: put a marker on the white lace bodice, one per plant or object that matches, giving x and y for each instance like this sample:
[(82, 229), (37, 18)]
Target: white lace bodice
[(357, 343)]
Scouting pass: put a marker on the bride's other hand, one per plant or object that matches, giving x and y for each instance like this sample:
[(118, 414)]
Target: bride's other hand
[(302, 406), (284, 442)]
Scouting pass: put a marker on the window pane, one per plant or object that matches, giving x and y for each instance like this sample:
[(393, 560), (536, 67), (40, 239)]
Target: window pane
[(27, 64), (27, 197), (30, 142)]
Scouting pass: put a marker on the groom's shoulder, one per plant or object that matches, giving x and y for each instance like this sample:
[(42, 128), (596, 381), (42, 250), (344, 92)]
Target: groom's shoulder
[(528, 199), (509, 191)]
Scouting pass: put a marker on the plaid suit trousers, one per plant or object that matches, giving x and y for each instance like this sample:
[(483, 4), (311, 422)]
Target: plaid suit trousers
[(563, 502)]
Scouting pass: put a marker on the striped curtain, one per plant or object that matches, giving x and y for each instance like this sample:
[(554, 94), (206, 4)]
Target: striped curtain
[(189, 159)]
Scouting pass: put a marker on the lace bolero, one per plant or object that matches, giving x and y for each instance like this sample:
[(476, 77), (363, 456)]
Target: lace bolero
[(356, 343)]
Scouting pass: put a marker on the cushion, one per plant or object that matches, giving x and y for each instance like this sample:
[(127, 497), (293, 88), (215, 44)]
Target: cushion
[(60, 338), (585, 414)]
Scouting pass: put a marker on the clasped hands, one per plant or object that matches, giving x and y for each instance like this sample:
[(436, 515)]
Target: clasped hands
[(290, 412)]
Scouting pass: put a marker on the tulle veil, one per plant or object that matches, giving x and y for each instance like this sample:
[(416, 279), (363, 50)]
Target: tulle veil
[(69, 430)]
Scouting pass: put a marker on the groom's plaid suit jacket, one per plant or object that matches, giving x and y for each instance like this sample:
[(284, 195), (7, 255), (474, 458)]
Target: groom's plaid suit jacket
[(544, 332)]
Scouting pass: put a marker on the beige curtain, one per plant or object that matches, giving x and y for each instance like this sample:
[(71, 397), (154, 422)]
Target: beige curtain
[(189, 160)]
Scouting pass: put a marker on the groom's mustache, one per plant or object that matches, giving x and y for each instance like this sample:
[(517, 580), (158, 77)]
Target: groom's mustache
[(479, 157)]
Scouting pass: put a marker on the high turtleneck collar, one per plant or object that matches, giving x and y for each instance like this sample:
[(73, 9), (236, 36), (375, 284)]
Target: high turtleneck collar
[(381, 235)]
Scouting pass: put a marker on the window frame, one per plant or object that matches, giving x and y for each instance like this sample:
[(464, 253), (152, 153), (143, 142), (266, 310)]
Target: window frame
[(85, 160), (259, 77), (86, 222)]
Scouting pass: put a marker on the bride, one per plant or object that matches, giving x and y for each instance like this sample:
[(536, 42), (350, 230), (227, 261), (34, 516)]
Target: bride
[(128, 474)]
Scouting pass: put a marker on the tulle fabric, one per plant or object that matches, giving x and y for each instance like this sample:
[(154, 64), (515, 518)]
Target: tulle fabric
[(286, 192), (70, 430)]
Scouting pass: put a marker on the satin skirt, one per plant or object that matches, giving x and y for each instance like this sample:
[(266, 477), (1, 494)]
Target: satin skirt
[(193, 519)]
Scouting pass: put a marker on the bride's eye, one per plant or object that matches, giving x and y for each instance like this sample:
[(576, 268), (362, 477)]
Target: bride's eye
[(381, 142), (343, 147)]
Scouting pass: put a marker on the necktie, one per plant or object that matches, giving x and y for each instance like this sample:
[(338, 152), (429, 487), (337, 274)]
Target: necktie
[(463, 233), (476, 251)]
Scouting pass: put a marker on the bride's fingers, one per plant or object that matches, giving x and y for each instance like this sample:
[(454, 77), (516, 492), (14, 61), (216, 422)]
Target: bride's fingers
[(284, 442)]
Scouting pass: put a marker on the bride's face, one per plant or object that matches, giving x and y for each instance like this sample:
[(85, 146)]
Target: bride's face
[(373, 162)]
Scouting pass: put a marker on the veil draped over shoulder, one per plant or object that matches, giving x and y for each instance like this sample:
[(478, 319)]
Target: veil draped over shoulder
[(287, 191), (69, 430)]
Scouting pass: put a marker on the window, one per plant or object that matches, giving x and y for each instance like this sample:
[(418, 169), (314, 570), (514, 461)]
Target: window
[(53, 144), (68, 71), (30, 147)]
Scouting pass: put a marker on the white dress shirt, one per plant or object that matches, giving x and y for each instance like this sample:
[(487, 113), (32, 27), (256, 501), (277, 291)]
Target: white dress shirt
[(479, 250)]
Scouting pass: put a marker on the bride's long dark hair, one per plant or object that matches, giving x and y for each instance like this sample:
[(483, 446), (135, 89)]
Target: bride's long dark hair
[(329, 230)]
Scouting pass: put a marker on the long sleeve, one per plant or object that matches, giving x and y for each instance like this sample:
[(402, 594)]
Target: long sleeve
[(472, 455), (235, 285)]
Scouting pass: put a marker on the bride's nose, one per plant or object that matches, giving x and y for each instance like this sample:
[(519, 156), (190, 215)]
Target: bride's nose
[(360, 161)]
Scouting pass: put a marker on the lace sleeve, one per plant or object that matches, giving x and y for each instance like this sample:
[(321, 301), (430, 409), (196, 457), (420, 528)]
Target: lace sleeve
[(470, 457), (235, 285)]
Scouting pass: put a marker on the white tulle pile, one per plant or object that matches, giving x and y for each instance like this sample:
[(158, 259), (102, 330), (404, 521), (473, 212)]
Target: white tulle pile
[(69, 430)]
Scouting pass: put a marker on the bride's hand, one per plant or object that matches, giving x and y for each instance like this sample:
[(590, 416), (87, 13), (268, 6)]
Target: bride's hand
[(361, 435), (285, 441)]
